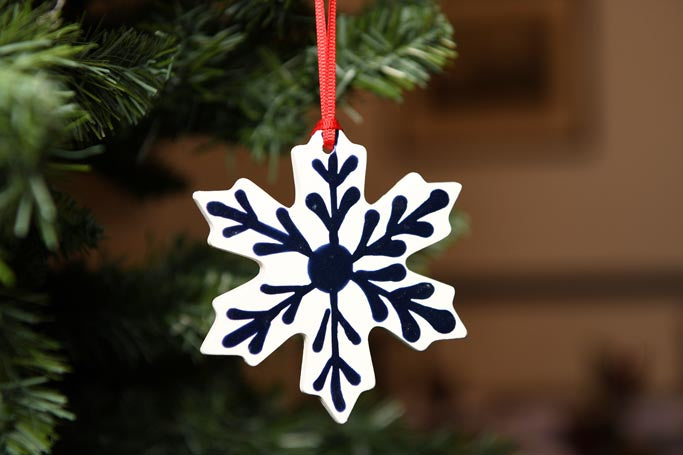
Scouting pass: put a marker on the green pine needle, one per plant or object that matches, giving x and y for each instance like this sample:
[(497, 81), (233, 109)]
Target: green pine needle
[(117, 79), (29, 408)]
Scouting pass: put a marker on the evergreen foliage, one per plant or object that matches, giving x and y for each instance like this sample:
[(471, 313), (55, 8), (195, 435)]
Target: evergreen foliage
[(71, 96), (118, 79), (29, 408)]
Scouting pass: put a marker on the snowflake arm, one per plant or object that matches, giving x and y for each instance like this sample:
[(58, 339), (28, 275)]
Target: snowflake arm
[(233, 221), (260, 321), (334, 322), (335, 365), (253, 328), (411, 224), (247, 219), (335, 178), (403, 302)]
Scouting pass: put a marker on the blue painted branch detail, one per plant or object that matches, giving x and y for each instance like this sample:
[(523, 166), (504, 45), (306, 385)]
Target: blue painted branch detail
[(336, 365), (334, 179), (260, 320), (292, 240), (418, 311), (386, 245), (402, 301), (330, 269)]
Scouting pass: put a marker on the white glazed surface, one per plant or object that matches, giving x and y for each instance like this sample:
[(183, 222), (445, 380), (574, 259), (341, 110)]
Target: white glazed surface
[(290, 268)]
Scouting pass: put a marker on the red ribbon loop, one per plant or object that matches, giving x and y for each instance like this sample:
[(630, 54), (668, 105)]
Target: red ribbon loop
[(326, 35)]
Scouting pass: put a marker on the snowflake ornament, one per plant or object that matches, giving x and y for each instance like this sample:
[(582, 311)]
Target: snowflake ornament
[(332, 267)]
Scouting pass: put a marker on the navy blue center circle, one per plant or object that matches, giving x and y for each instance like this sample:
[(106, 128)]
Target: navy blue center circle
[(330, 268)]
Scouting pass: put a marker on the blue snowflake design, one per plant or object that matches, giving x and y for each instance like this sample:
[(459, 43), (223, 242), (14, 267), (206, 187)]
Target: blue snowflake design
[(332, 267)]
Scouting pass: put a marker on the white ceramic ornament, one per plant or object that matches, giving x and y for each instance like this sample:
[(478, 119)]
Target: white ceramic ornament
[(332, 267)]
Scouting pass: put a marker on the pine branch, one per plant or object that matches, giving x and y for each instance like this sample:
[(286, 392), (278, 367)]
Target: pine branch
[(237, 77), (34, 112), (27, 30), (77, 229), (390, 48), (30, 407), (30, 361), (57, 90), (206, 42), (276, 17), (118, 77), (115, 74), (393, 47), (142, 313)]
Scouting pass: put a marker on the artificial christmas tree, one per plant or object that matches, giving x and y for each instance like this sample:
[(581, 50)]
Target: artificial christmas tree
[(104, 358)]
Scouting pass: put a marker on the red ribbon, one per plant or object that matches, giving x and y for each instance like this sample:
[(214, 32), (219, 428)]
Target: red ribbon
[(326, 35)]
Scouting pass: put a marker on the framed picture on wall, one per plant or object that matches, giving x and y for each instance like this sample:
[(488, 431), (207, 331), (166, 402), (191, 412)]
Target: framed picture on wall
[(518, 72)]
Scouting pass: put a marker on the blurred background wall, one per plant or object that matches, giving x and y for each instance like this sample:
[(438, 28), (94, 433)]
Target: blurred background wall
[(563, 120)]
